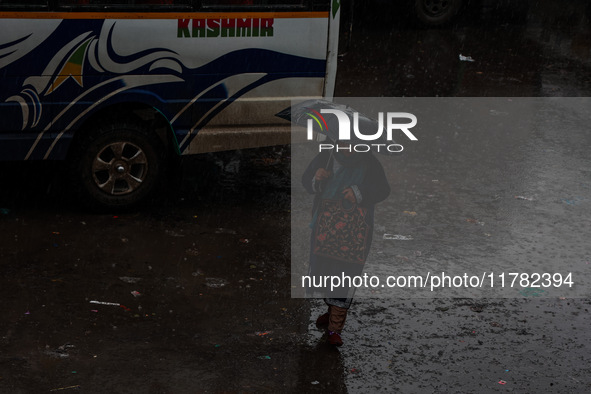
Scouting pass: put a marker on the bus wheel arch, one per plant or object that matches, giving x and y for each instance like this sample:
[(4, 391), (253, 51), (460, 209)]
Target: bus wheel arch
[(119, 156)]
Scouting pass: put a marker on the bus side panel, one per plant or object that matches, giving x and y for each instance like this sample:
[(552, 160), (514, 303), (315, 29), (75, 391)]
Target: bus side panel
[(24, 109), (204, 68), (241, 69)]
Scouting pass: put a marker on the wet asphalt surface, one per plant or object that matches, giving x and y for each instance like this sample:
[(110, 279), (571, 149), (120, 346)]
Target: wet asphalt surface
[(201, 275)]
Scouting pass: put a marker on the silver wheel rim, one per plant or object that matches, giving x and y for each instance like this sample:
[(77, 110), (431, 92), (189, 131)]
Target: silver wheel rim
[(120, 168)]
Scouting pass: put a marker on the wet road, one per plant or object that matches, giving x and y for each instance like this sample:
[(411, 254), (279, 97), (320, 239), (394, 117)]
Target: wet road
[(201, 277), (546, 54)]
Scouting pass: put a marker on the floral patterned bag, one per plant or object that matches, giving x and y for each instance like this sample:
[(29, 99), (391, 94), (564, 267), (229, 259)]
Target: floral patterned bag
[(341, 233)]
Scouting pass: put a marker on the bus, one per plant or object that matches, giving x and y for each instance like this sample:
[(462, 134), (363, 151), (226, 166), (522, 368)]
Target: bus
[(118, 87)]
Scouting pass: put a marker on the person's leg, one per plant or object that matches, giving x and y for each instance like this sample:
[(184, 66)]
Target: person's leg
[(336, 319), (323, 320), (336, 323)]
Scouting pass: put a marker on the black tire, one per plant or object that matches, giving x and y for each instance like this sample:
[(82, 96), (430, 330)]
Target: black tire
[(436, 12), (117, 165)]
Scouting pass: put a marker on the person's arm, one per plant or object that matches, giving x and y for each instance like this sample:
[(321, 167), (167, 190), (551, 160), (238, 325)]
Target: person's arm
[(352, 194)]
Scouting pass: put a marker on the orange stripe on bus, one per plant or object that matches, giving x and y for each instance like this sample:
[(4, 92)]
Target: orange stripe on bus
[(159, 15)]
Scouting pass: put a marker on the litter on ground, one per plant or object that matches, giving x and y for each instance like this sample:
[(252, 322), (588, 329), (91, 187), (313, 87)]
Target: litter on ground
[(398, 237)]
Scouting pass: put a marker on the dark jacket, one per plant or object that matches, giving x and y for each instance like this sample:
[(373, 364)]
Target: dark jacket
[(373, 189)]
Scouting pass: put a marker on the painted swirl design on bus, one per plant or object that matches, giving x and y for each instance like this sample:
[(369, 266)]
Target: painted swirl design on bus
[(68, 63), (63, 71)]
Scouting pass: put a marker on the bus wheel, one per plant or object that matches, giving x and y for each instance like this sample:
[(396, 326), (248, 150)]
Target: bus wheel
[(117, 166), (437, 12)]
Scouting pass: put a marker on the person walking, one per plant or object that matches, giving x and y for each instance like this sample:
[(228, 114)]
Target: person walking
[(357, 182)]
